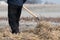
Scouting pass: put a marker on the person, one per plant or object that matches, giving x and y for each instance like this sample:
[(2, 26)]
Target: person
[(14, 13)]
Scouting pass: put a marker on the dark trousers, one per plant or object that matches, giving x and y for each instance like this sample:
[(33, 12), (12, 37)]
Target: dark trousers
[(14, 13)]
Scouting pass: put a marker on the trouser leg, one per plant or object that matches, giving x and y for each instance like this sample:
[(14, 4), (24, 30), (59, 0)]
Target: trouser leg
[(19, 12), (14, 13)]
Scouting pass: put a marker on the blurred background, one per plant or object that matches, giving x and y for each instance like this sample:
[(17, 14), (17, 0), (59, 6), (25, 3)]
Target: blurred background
[(41, 1), (47, 9)]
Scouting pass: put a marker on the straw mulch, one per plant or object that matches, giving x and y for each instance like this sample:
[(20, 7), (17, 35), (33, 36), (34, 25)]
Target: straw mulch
[(43, 31)]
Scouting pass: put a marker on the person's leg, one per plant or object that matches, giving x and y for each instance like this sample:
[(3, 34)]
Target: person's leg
[(18, 15), (19, 10), (13, 18)]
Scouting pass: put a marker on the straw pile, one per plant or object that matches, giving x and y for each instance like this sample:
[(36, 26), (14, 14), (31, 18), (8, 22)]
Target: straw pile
[(47, 31), (43, 31)]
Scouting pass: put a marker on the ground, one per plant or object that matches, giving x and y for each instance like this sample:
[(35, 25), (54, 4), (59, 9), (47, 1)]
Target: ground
[(43, 31)]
